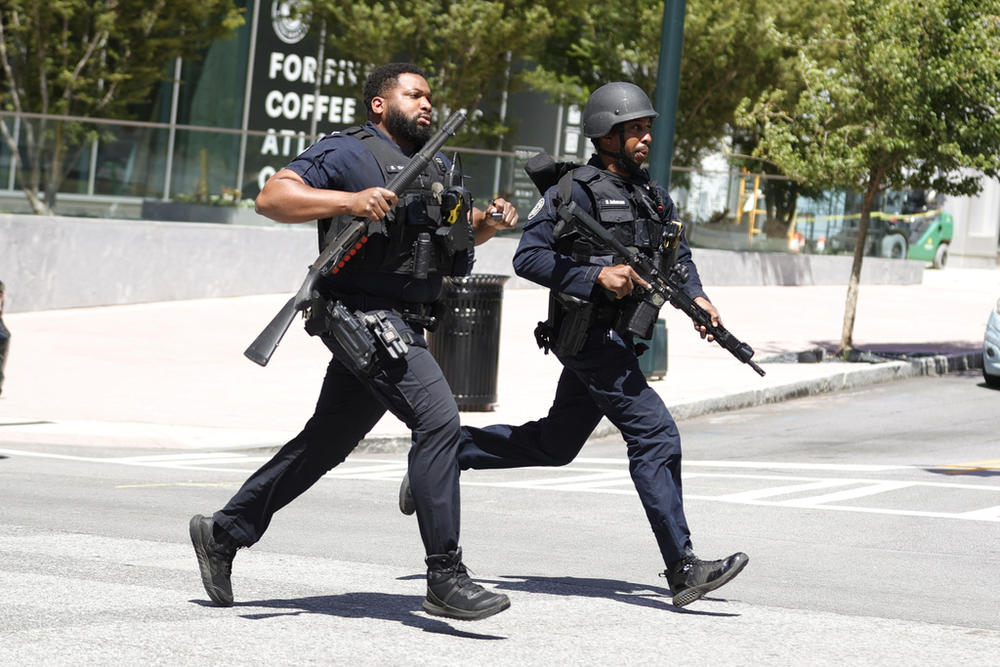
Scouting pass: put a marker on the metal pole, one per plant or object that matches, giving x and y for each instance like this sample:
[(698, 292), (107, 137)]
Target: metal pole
[(92, 174), (559, 123), (667, 86), (498, 163), (172, 133), (247, 96), (320, 73), (11, 180)]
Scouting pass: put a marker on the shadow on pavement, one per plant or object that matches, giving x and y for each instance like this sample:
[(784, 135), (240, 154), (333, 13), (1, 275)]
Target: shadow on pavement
[(609, 589), (381, 606), (826, 351), (966, 471), (945, 347)]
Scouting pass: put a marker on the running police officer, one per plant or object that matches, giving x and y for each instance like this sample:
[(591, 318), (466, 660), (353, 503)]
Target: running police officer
[(339, 178), (591, 326)]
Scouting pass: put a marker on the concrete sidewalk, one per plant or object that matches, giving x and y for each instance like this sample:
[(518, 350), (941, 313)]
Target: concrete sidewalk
[(173, 375)]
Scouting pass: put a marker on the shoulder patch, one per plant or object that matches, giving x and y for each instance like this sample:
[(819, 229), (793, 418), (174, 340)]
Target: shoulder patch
[(536, 208)]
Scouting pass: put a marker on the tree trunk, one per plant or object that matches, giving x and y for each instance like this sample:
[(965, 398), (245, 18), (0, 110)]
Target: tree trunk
[(851, 305), (781, 198), (54, 172), (38, 204)]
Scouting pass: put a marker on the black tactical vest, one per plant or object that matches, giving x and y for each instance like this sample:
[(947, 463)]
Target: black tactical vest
[(631, 212), (390, 247)]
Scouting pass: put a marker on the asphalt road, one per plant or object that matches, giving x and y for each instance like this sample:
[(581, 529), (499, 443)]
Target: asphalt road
[(872, 521)]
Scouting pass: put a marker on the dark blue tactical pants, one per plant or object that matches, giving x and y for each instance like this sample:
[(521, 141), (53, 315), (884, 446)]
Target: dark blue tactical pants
[(416, 392), (603, 379)]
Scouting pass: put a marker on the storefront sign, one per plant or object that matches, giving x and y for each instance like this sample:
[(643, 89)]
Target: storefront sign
[(292, 92)]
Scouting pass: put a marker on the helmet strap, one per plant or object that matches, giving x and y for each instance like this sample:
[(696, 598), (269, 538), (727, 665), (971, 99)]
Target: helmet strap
[(623, 161)]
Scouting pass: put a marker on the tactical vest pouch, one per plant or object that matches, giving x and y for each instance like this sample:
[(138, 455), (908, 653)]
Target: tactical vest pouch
[(422, 248), (455, 231), (570, 320)]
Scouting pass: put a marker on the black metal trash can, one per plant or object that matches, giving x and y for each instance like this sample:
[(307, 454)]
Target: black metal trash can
[(653, 361), (466, 343)]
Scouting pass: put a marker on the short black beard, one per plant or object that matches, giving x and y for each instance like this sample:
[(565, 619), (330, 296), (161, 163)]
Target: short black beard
[(628, 165), (406, 129)]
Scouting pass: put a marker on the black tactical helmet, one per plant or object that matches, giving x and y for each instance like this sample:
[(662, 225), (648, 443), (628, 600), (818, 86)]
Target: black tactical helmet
[(615, 103)]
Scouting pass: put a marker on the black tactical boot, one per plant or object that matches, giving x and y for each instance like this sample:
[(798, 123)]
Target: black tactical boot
[(451, 593), (215, 549), (691, 577), (406, 504)]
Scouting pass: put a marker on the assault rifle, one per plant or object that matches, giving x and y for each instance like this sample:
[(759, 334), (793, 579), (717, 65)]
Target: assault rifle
[(344, 246), (662, 288)]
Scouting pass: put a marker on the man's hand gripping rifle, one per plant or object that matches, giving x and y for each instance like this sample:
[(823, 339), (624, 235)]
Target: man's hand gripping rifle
[(344, 246), (662, 288)]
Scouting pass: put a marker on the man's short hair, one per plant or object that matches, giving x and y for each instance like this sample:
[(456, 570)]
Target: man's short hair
[(383, 78)]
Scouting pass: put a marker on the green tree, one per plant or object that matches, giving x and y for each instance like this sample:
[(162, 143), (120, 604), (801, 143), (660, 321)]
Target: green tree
[(90, 58), (466, 47), (784, 29), (910, 102), (567, 49), (731, 51)]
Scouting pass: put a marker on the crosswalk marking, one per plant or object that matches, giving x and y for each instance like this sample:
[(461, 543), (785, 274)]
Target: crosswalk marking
[(851, 494), (614, 477), (757, 494), (987, 514), (771, 484)]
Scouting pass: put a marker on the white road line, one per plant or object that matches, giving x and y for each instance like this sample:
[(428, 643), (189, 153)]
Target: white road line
[(575, 480), (397, 467), (768, 465), (969, 516), (190, 456), (598, 480), (851, 494), (388, 475), (757, 494), (987, 514)]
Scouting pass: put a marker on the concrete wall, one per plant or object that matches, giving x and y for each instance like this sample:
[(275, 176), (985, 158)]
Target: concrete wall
[(65, 262), (725, 267)]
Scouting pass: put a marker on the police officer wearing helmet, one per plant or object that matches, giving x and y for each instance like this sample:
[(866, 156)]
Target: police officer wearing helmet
[(590, 309), (341, 177)]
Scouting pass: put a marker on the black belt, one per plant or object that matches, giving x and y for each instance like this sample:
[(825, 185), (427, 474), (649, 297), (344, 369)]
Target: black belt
[(425, 315)]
